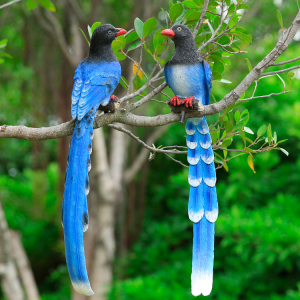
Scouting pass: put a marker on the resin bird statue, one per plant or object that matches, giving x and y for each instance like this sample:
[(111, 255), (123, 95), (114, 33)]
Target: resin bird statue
[(95, 79), (190, 78)]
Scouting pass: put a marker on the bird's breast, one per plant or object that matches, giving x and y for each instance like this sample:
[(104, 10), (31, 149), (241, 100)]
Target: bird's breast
[(187, 80)]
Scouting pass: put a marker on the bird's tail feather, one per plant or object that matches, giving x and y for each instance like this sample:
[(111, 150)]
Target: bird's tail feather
[(203, 205), (75, 211)]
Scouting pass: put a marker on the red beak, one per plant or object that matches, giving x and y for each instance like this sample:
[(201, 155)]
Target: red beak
[(168, 32), (121, 31)]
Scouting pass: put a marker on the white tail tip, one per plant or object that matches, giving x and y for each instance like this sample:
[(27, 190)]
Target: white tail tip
[(201, 285), (83, 288)]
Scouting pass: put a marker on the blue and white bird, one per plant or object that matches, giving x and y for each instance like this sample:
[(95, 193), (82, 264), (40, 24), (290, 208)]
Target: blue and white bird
[(95, 79), (190, 77)]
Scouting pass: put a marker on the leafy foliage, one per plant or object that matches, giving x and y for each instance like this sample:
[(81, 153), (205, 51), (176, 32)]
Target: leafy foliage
[(257, 243)]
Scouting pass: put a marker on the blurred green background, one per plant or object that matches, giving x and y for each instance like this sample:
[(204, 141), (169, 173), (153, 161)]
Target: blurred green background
[(257, 245)]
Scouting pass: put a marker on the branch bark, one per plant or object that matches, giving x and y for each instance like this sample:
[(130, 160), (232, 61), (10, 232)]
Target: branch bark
[(124, 115)]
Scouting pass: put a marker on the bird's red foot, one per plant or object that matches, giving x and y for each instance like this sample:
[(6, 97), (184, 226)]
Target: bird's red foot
[(113, 98), (175, 101), (188, 102)]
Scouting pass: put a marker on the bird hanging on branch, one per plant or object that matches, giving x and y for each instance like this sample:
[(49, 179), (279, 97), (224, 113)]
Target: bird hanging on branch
[(95, 79), (190, 78)]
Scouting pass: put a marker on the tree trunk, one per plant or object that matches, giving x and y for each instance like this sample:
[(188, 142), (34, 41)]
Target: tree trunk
[(10, 281), (23, 265)]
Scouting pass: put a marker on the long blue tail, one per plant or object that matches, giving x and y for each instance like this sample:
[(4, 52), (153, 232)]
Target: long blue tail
[(75, 217), (203, 205)]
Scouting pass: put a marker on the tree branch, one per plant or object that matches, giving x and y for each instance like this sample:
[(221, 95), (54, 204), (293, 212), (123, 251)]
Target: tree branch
[(201, 20), (286, 62), (264, 96), (9, 3), (124, 115), (280, 71)]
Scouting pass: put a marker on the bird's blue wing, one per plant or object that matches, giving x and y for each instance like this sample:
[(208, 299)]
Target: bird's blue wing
[(208, 80), (166, 72), (93, 85)]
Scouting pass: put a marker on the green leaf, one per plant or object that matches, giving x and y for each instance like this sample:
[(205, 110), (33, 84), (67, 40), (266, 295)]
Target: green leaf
[(158, 39), (134, 45), (250, 150), (89, 31), (116, 45), (149, 26), (85, 36), (47, 4), (284, 151), (248, 130), (175, 11), (122, 39), (290, 75), (279, 17), (249, 64), (120, 56), (128, 32), (218, 158), (228, 127), (269, 133), (138, 26), (225, 81), (245, 117), (193, 16), (31, 4), (94, 26), (5, 55), (225, 166), (243, 6), (189, 4), (262, 130), (217, 76), (3, 43), (237, 116), (226, 143), (242, 133), (250, 162), (275, 137), (131, 37)]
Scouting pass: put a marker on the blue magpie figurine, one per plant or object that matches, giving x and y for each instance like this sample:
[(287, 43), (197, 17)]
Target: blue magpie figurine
[(95, 79), (190, 77)]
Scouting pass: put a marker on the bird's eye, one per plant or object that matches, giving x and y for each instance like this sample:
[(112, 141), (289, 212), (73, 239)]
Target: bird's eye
[(179, 28), (109, 32)]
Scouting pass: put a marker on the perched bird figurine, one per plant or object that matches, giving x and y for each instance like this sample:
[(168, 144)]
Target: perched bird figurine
[(95, 79), (190, 78)]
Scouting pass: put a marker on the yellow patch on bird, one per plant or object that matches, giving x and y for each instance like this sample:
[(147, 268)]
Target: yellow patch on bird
[(135, 67)]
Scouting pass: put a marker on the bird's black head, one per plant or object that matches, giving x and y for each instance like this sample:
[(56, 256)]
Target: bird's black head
[(105, 34), (100, 48), (179, 34), (185, 46)]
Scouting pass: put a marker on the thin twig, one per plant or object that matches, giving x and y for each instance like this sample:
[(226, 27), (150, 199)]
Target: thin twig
[(139, 67), (223, 47), (285, 62), (256, 82), (178, 161), (264, 96), (280, 71), (119, 128), (9, 3), (220, 35), (135, 63), (202, 17)]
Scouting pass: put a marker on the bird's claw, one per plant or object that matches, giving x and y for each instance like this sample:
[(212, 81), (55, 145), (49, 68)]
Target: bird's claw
[(188, 102), (175, 101)]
